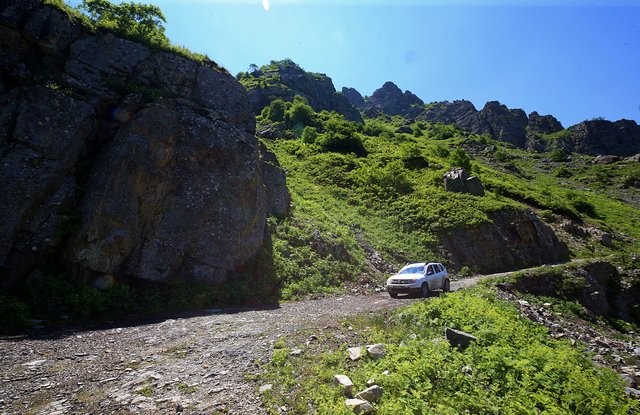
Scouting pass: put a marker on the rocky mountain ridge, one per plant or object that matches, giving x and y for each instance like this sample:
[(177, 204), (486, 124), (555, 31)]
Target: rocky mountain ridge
[(119, 160), (533, 131)]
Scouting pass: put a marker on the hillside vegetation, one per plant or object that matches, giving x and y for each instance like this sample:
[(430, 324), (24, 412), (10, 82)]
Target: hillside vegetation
[(374, 192), (368, 197)]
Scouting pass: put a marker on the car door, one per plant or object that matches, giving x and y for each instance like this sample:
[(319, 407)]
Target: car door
[(441, 275), (432, 276)]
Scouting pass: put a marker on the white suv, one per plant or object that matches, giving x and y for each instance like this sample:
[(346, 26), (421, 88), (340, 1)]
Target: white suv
[(420, 279)]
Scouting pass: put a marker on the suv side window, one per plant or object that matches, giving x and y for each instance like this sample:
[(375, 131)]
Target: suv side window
[(430, 270), (439, 268)]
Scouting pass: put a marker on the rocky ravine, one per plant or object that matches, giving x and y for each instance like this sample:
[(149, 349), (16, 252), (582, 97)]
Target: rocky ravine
[(119, 160), (203, 364)]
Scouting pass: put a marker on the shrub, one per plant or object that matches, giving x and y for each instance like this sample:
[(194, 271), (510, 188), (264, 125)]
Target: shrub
[(558, 155), (143, 22), (459, 158), (309, 134), (300, 112), (275, 111)]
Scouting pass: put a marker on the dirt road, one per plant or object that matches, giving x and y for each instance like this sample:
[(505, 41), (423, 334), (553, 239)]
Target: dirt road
[(188, 365)]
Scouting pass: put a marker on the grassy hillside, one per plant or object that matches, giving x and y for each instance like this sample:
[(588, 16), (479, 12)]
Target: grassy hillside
[(377, 189), (513, 367)]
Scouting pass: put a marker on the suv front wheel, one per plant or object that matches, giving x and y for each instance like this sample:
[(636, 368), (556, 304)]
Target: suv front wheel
[(424, 290)]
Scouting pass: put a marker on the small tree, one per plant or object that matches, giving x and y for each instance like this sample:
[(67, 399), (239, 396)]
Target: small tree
[(144, 22)]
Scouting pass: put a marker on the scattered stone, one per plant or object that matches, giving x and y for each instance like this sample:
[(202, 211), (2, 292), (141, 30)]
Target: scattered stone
[(372, 394), (34, 363), (386, 373), (629, 380), (355, 353), (371, 382), (606, 159), (296, 352), (359, 406), (346, 384), (376, 351), (265, 388), (632, 392), (459, 338)]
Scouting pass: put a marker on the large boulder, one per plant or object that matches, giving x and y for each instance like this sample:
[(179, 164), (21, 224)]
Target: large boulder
[(121, 160), (458, 180)]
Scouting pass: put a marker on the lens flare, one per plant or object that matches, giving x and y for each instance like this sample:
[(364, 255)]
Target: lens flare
[(265, 5)]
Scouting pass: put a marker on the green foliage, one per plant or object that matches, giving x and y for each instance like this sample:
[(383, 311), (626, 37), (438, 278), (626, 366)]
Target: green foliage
[(309, 134), (142, 22), (300, 112), (386, 182), (563, 172), (513, 367), (275, 111), (459, 158), (558, 155), (340, 136)]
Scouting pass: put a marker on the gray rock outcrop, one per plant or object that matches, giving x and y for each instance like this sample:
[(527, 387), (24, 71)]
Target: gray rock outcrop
[(458, 180), (354, 97), (595, 137), (390, 100), (514, 239), (123, 160)]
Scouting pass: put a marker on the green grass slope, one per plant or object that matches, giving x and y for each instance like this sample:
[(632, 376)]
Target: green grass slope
[(376, 190)]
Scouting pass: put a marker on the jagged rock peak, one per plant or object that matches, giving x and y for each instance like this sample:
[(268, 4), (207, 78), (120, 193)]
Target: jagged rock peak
[(390, 100), (354, 97)]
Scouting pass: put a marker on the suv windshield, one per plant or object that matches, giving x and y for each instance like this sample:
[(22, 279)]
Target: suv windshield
[(412, 270)]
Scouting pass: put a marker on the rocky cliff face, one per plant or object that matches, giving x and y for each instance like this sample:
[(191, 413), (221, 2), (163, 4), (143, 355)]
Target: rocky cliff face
[(285, 79), (513, 240), (122, 160), (619, 138)]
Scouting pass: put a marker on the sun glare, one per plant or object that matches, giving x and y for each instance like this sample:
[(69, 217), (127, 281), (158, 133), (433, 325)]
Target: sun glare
[(265, 5)]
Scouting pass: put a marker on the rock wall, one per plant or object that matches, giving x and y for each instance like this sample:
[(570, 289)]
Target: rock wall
[(513, 239), (119, 159)]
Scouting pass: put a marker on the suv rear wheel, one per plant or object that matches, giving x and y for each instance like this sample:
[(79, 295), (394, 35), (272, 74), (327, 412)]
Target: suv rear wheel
[(446, 287)]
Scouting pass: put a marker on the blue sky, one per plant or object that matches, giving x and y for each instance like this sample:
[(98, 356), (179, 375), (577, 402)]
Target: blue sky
[(574, 59)]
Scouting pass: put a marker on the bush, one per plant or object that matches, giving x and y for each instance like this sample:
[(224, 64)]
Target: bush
[(275, 111), (459, 158), (300, 112), (309, 134), (143, 22), (558, 155)]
